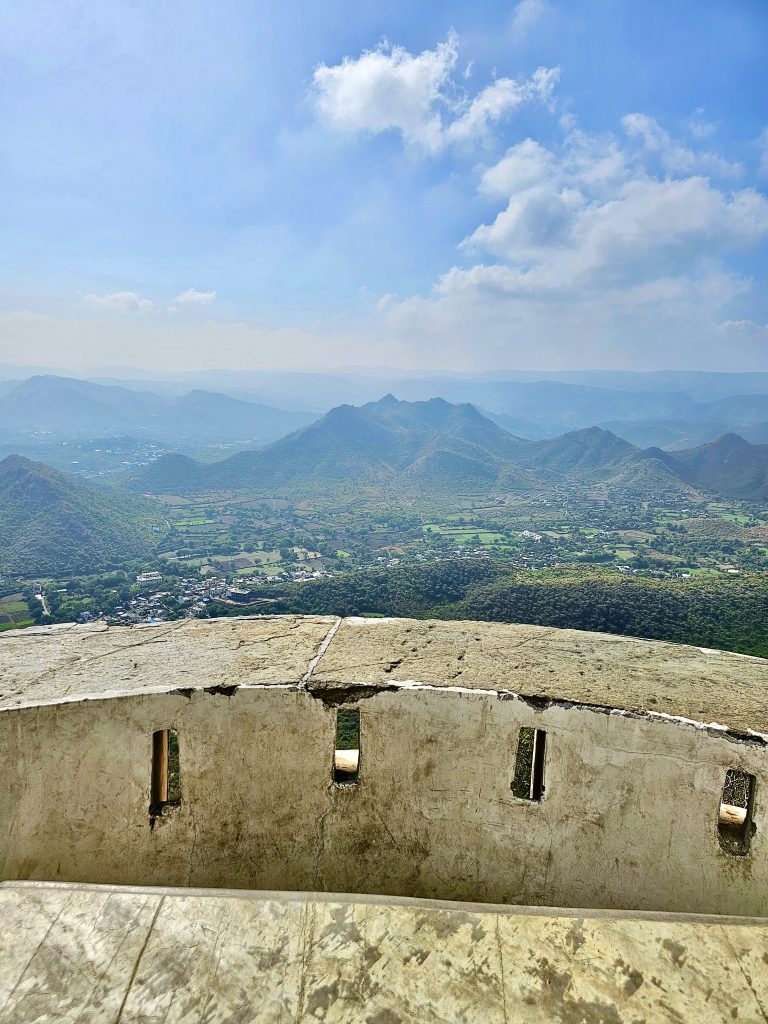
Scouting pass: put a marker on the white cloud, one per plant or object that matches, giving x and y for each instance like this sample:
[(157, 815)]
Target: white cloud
[(749, 327), (131, 302), (524, 165), (120, 302), (390, 89), (590, 247), (526, 16), (698, 127), (673, 155), (500, 99), (192, 297), (555, 237)]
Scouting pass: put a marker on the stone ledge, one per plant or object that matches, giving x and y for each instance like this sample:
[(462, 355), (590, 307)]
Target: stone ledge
[(108, 954)]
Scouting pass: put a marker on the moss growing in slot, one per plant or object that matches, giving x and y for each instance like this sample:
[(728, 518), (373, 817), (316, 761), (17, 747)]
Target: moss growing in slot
[(521, 781), (174, 779), (348, 729)]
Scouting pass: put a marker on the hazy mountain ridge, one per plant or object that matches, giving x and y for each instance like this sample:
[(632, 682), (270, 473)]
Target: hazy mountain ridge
[(381, 444), (665, 409), (75, 408), (51, 522), (415, 446)]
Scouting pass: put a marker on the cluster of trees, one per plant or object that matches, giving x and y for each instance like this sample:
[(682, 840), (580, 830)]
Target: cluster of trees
[(709, 611)]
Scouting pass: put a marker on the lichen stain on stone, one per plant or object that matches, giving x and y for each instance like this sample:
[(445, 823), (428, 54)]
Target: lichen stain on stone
[(633, 978), (342, 926), (385, 1016), (575, 936), (676, 952), (562, 1008), (322, 999)]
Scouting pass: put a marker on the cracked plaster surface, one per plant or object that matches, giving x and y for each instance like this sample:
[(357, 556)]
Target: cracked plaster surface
[(325, 654), (560, 664), (50, 664)]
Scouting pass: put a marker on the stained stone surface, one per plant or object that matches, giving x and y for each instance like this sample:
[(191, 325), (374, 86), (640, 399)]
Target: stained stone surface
[(326, 654), (563, 664), (64, 662), (104, 955)]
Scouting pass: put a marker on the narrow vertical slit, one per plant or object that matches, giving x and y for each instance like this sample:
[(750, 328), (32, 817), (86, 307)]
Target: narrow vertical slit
[(735, 827), (160, 767), (537, 770), (528, 780), (166, 777), (346, 756)]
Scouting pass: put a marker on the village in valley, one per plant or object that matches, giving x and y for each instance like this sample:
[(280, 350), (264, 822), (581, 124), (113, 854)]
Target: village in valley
[(239, 550)]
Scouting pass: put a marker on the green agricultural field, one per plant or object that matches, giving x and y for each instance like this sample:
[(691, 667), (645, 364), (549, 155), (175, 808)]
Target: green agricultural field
[(15, 615)]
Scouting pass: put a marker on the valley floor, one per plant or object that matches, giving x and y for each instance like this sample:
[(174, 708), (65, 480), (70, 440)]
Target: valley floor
[(565, 557)]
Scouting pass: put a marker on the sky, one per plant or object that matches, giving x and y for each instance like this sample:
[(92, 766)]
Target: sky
[(547, 184)]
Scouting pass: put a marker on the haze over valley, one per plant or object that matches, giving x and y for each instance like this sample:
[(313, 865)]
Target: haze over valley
[(143, 501)]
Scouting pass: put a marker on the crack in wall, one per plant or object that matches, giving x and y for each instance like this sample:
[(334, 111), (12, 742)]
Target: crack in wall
[(333, 694), (350, 693), (136, 966), (324, 645)]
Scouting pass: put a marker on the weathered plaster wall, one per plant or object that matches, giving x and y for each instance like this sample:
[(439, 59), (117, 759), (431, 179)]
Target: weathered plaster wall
[(628, 817)]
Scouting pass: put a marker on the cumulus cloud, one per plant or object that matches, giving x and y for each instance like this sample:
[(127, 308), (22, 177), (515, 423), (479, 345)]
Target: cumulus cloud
[(192, 297), (557, 237), (119, 302), (131, 302), (391, 89), (524, 165), (674, 156), (588, 241), (498, 100)]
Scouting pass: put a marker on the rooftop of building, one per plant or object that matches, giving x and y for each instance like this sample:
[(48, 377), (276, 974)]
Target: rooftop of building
[(337, 658)]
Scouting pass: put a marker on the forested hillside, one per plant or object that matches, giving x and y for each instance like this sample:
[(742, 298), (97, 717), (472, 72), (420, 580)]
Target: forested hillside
[(51, 523)]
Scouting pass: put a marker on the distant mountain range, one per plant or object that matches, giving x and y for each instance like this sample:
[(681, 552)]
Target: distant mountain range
[(52, 523), (68, 408), (435, 446), (668, 410)]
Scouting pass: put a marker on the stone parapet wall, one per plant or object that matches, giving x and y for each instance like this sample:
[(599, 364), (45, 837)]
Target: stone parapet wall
[(627, 819)]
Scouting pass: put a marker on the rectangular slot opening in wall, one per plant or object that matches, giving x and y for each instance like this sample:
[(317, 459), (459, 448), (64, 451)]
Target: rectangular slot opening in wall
[(734, 821), (346, 757), (528, 780), (166, 782)]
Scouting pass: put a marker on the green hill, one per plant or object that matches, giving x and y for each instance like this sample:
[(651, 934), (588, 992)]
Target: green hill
[(729, 466), (384, 445), (724, 613), (396, 447), (579, 452), (52, 523)]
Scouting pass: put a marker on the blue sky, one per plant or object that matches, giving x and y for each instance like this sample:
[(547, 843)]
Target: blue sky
[(462, 186)]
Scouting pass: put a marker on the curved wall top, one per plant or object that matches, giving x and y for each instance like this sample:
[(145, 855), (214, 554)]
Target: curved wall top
[(635, 741)]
